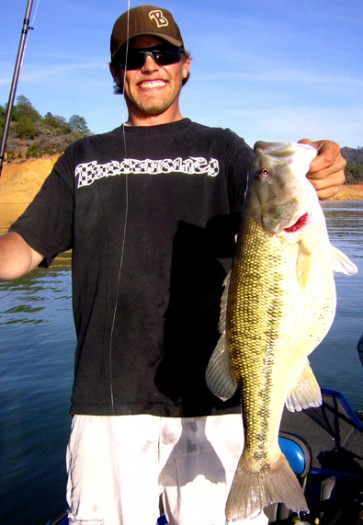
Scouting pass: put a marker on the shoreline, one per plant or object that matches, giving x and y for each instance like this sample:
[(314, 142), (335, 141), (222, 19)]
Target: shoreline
[(21, 180)]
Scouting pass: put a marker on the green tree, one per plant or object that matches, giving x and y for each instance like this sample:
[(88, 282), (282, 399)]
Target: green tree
[(24, 109), (25, 128), (26, 119), (2, 115), (354, 173), (78, 125), (59, 124)]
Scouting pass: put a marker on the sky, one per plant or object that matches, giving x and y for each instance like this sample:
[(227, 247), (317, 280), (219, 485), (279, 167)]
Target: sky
[(274, 70)]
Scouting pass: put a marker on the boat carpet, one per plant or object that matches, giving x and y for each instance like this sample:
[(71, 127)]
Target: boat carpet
[(334, 433)]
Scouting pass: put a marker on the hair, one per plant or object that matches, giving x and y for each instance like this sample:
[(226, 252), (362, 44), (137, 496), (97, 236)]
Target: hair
[(118, 90)]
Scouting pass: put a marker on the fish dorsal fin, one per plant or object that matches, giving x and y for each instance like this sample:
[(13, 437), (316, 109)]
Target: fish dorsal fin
[(306, 392), (342, 263)]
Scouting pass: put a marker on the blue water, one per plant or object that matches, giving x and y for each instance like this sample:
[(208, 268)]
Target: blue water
[(336, 361), (36, 364), (36, 353)]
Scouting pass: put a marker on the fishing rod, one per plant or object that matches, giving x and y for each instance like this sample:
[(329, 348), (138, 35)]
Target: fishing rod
[(14, 83)]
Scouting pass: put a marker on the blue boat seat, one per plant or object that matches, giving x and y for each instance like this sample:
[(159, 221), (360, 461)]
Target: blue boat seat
[(297, 453)]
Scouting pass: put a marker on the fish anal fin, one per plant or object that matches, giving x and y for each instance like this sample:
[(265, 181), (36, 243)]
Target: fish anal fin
[(306, 392), (253, 490)]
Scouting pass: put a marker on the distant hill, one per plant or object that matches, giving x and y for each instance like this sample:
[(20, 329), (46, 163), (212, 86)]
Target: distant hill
[(354, 155), (354, 169)]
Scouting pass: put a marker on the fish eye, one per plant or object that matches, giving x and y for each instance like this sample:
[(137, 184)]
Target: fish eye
[(264, 173)]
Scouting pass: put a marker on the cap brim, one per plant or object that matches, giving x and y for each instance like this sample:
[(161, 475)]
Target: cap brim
[(171, 40)]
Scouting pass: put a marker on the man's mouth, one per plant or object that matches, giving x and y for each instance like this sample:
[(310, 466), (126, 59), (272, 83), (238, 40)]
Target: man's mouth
[(152, 84)]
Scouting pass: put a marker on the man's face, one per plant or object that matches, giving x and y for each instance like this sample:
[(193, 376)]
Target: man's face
[(152, 90)]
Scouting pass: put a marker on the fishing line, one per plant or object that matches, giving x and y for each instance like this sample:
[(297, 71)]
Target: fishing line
[(35, 13), (123, 243)]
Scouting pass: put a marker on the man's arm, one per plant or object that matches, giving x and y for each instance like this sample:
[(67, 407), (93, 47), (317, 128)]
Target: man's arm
[(16, 257)]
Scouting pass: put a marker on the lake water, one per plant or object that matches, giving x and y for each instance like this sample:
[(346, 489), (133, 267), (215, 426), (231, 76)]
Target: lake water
[(36, 365)]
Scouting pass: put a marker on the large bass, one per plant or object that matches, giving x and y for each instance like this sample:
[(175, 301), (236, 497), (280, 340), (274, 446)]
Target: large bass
[(278, 304)]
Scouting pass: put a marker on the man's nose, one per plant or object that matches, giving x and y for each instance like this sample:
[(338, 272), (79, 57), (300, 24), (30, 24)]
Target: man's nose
[(149, 64)]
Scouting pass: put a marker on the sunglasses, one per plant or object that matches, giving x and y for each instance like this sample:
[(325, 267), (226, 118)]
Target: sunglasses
[(163, 55)]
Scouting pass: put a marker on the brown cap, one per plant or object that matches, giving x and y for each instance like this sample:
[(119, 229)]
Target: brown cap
[(145, 20)]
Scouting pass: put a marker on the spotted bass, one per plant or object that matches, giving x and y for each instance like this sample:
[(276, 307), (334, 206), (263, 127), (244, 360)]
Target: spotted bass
[(278, 304)]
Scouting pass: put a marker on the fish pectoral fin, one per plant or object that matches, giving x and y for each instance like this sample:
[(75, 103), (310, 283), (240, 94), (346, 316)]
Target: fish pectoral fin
[(303, 264), (223, 304), (219, 378), (252, 490), (306, 392), (342, 263)]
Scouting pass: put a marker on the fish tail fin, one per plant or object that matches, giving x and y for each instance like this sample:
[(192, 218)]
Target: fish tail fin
[(252, 491)]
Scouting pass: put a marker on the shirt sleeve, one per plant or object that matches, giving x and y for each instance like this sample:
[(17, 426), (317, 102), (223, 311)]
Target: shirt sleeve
[(47, 223)]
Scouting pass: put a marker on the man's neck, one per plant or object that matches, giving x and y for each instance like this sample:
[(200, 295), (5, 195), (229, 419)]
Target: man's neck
[(154, 120)]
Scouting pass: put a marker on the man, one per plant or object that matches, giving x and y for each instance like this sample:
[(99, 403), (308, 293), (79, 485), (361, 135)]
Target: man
[(149, 210)]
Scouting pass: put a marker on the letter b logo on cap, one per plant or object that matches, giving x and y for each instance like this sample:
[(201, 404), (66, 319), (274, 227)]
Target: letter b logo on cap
[(158, 17)]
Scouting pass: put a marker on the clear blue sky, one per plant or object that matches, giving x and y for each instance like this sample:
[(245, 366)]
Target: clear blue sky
[(268, 69)]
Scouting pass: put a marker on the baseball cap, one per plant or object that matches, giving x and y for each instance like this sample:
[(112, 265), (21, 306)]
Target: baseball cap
[(145, 20)]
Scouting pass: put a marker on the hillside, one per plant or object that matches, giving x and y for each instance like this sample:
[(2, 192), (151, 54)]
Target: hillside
[(350, 192), (19, 183), (354, 169), (354, 155), (33, 135)]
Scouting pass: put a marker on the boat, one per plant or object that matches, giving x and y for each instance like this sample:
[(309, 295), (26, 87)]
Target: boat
[(324, 447), (330, 438)]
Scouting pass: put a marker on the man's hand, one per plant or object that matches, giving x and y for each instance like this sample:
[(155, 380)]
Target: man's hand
[(326, 172)]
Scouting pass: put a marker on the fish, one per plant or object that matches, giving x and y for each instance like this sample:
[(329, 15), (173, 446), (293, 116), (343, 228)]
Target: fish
[(278, 304)]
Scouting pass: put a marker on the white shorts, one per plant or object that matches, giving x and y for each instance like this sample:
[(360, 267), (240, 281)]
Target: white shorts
[(120, 468)]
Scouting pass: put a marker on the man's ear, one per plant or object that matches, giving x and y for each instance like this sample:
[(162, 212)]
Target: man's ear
[(186, 67), (117, 76)]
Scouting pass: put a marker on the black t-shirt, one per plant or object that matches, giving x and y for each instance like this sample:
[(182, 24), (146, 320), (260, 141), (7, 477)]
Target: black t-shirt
[(150, 214)]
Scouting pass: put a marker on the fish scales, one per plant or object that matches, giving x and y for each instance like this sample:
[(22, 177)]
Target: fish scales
[(262, 275), (278, 304)]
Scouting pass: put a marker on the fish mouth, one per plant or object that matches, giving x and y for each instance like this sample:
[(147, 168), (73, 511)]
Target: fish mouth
[(278, 217), (302, 220)]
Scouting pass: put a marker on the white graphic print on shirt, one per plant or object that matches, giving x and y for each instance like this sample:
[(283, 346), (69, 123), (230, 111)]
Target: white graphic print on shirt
[(89, 172)]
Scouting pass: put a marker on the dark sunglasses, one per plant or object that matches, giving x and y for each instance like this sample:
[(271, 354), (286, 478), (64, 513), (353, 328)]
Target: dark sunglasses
[(162, 55)]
